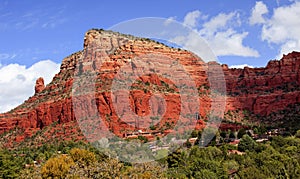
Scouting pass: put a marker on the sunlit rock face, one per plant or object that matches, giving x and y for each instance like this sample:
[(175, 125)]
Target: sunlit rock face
[(259, 90)]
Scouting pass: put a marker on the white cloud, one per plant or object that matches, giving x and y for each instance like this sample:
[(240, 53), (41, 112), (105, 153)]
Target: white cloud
[(17, 82), (283, 28), (191, 18), (289, 46), (241, 66), (257, 13), (230, 42), (224, 39), (221, 36), (221, 21), (194, 43)]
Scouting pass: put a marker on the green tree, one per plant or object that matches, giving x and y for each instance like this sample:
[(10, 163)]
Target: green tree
[(144, 170), (230, 165), (9, 165), (194, 134), (143, 138), (177, 160), (247, 143), (231, 135), (205, 174), (241, 132), (223, 134), (251, 173), (297, 134), (188, 143)]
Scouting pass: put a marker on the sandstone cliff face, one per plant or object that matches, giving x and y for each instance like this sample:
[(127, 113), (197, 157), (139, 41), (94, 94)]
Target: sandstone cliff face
[(260, 90), (264, 90)]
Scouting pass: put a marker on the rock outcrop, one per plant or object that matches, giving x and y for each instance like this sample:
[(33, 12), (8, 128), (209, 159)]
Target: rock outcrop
[(39, 85), (259, 90)]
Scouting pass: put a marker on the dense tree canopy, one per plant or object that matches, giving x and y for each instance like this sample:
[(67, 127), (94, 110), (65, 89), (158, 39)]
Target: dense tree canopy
[(277, 158)]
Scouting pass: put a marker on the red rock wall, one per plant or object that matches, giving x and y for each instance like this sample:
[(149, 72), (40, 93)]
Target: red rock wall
[(260, 90), (264, 90)]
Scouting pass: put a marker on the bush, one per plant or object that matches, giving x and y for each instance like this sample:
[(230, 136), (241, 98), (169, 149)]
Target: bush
[(297, 134), (57, 167), (241, 133), (143, 138), (247, 143), (82, 156)]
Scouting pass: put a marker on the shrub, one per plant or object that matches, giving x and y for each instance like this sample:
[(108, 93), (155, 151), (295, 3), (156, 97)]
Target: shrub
[(57, 167), (82, 156), (297, 134), (247, 143)]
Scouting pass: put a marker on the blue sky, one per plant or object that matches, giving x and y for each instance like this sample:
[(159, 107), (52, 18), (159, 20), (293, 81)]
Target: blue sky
[(41, 33)]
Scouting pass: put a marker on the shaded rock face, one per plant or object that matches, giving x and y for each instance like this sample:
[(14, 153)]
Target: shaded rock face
[(259, 90), (39, 85)]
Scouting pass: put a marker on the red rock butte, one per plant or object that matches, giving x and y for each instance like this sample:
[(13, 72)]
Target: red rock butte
[(258, 90)]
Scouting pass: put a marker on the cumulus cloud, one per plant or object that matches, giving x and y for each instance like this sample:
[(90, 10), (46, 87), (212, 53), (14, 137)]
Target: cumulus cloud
[(257, 13), (194, 43), (17, 81), (221, 34), (191, 18), (241, 66), (221, 21), (289, 46), (230, 42), (283, 28)]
